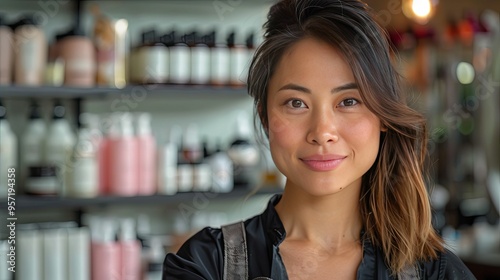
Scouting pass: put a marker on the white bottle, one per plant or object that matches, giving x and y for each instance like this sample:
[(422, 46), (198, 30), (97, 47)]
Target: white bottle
[(32, 152), (146, 155), (29, 255), (220, 63), (222, 171), (180, 61), (200, 62), (8, 152), (155, 259), (78, 254), (167, 163), (84, 172), (5, 263), (238, 61), (59, 145), (54, 253)]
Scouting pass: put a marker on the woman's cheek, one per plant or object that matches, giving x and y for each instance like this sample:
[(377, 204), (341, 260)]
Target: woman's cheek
[(277, 125)]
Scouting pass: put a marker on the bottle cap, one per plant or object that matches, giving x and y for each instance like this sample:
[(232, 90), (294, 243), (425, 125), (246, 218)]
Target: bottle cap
[(250, 41), (230, 39), (168, 39), (27, 19), (107, 229), (144, 124), (58, 111), (3, 111), (34, 111), (243, 129), (127, 229), (149, 37), (126, 127), (191, 137)]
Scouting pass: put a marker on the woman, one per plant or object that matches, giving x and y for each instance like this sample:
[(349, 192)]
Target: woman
[(355, 205)]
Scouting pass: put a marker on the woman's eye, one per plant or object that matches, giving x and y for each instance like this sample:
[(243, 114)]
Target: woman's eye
[(296, 103), (348, 102)]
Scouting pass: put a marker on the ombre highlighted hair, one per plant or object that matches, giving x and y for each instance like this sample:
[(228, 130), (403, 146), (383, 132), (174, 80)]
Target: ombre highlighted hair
[(395, 206)]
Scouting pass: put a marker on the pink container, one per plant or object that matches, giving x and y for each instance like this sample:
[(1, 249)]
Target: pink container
[(105, 253), (146, 164), (123, 173), (78, 53)]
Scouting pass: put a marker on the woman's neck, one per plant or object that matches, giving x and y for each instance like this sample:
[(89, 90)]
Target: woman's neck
[(331, 221)]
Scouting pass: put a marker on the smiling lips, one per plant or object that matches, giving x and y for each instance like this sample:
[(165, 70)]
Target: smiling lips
[(323, 162)]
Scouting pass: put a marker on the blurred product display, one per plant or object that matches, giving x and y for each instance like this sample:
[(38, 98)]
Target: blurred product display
[(135, 177)]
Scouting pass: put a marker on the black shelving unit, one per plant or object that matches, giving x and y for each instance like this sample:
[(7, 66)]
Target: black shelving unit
[(38, 203), (98, 92)]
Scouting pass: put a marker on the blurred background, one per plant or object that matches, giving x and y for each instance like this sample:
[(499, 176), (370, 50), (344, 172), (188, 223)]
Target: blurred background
[(125, 126)]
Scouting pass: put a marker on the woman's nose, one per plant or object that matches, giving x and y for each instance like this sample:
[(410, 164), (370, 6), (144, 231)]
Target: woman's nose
[(322, 128)]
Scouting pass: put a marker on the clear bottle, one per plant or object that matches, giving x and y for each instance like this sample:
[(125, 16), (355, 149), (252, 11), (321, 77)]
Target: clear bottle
[(8, 151), (146, 149), (59, 144)]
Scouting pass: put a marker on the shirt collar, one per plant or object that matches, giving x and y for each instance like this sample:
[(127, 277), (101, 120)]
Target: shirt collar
[(275, 230)]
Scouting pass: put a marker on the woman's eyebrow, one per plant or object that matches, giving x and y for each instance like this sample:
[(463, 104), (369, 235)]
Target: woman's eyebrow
[(292, 86)]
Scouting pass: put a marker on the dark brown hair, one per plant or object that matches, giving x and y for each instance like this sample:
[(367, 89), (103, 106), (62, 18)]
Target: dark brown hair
[(394, 200)]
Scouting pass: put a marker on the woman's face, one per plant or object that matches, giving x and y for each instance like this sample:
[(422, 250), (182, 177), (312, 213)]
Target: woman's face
[(322, 137)]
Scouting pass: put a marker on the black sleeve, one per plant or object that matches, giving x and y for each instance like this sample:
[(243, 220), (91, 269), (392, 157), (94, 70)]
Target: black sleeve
[(447, 267), (200, 257), (456, 269)]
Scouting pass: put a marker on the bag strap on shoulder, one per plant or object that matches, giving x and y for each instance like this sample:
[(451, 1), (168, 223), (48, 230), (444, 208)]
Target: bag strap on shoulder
[(235, 251)]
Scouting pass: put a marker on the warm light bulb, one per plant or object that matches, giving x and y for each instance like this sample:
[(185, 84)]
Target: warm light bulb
[(421, 8)]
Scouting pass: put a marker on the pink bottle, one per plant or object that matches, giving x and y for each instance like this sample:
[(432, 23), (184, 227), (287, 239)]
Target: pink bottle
[(123, 159), (146, 155), (105, 252), (104, 154), (130, 251)]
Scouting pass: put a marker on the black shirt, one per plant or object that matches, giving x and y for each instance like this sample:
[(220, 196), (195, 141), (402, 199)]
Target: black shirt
[(202, 256)]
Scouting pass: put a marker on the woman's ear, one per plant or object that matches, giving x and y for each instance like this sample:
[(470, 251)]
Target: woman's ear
[(383, 127)]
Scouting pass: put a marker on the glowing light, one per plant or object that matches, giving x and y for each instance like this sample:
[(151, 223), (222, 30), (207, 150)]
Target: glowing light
[(465, 73), (420, 11), (421, 8)]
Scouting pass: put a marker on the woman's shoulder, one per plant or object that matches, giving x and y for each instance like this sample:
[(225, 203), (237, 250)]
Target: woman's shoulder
[(200, 257), (447, 266)]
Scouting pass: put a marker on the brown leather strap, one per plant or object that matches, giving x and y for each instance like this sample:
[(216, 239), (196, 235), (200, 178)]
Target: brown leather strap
[(235, 252)]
